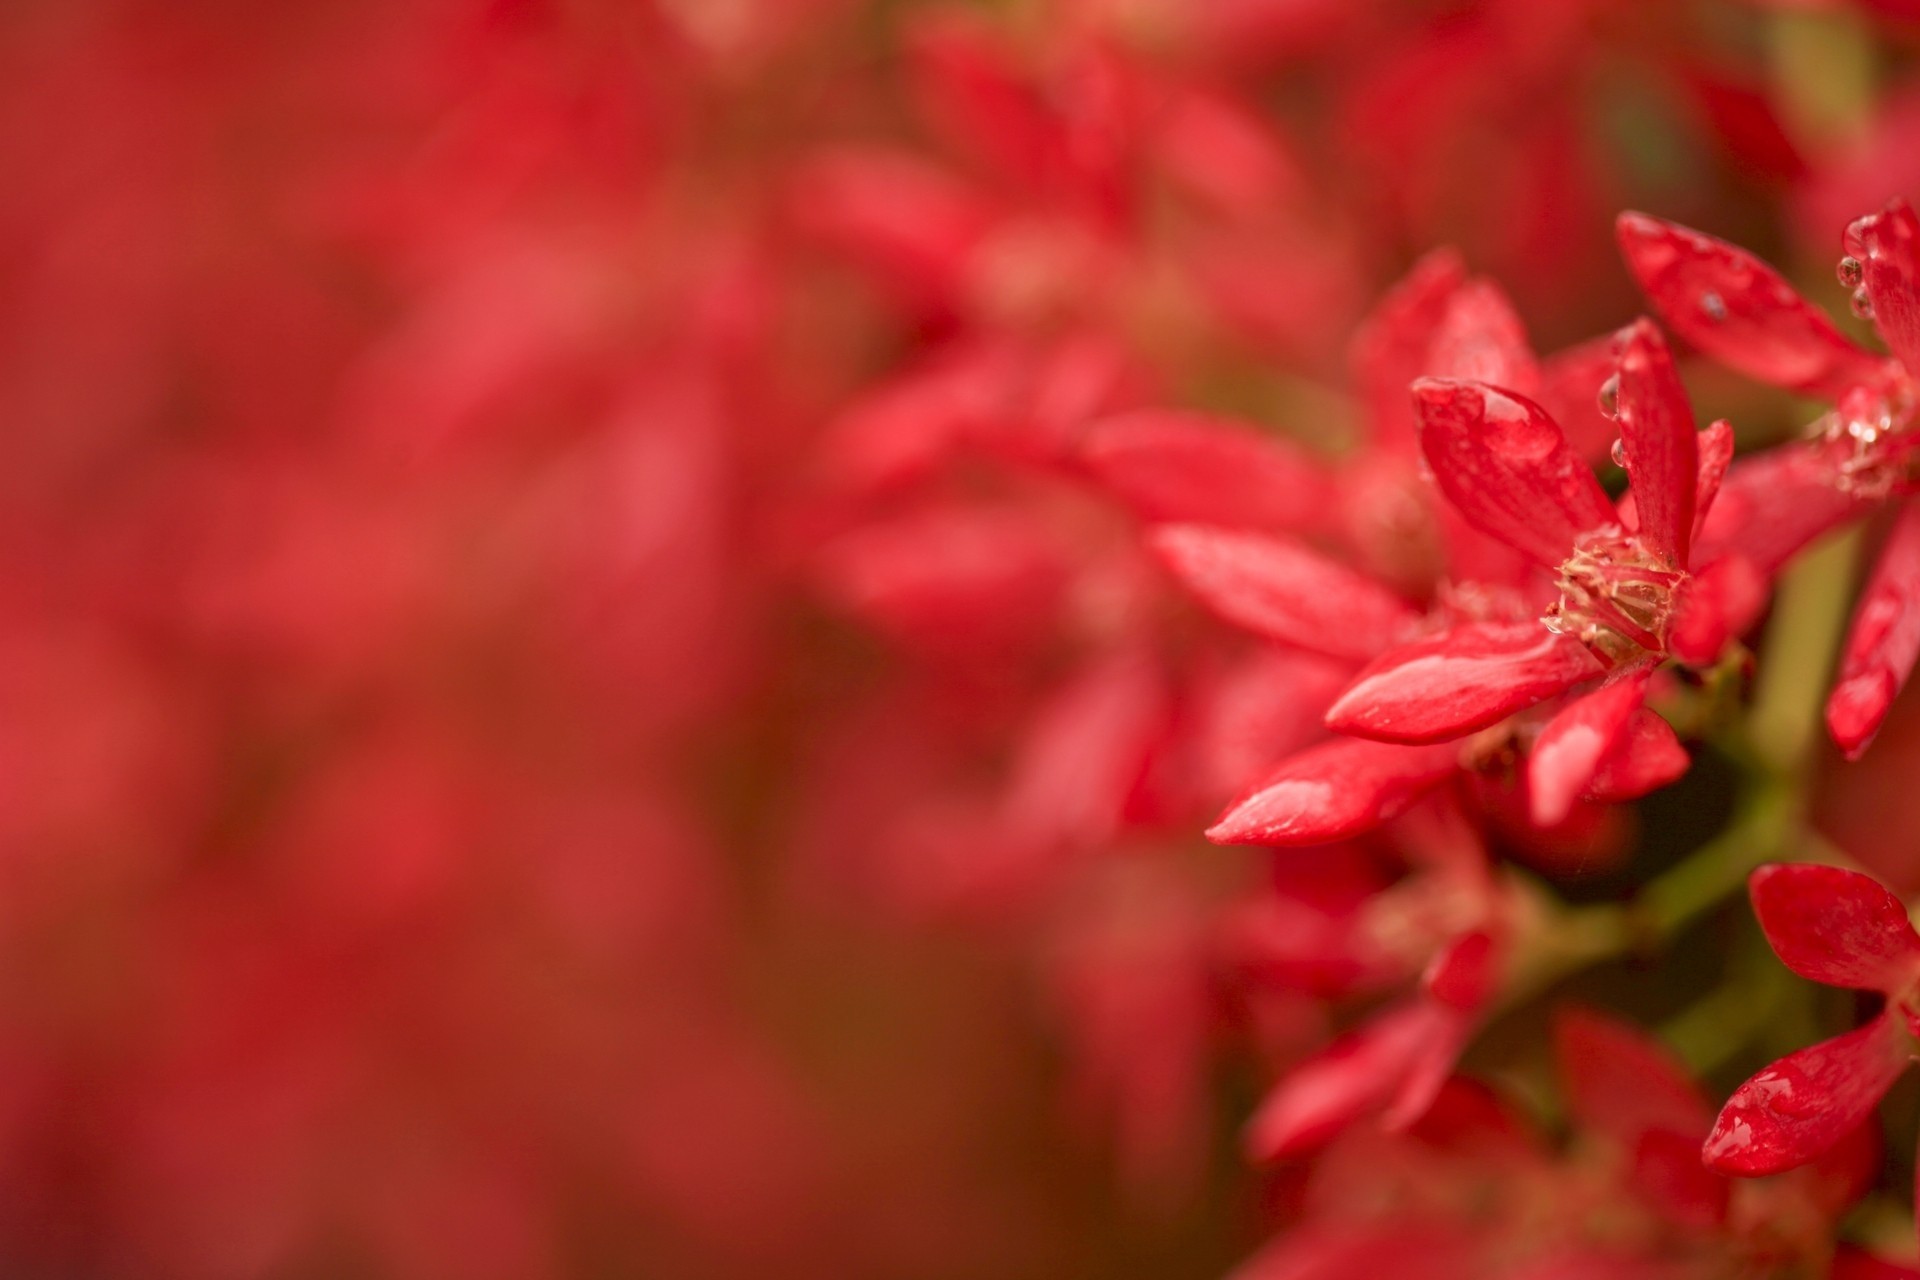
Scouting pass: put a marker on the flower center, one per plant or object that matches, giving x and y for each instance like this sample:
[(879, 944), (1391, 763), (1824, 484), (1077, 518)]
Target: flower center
[(1616, 597)]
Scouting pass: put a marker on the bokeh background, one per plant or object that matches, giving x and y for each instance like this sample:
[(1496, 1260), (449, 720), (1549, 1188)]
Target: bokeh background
[(561, 713)]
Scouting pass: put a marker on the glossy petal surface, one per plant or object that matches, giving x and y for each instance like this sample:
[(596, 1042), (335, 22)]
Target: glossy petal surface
[(1459, 681), (1503, 463), (1890, 240), (1333, 791), (1740, 311), (1836, 926), (1800, 1106), (1656, 425), (1569, 751)]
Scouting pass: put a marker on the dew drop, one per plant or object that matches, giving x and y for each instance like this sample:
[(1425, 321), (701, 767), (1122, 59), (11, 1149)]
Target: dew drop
[(1861, 303), (1851, 271), (1714, 305), (1619, 452), (1853, 241), (1609, 398)]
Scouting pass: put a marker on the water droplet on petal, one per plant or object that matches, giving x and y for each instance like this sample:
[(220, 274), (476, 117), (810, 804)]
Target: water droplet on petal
[(1609, 398), (1714, 305), (1619, 452), (1853, 241), (1852, 272), (1862, 303)]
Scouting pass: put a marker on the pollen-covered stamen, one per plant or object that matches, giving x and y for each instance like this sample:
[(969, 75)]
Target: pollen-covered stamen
[(1616, 597)]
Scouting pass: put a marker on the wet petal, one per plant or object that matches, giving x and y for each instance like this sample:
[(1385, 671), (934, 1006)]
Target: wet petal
[(1883, 642), (1461, 680), (1800, 1106), (1890, 242), (1338, 789), (1656, 425), (1645, 758), (1570, 749), (1505, 466), (1169, 466), (1836, 926), (1284, 591), (1740, 311)]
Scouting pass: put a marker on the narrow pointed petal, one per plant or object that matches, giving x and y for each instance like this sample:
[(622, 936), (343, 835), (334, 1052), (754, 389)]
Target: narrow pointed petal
[(1883, 642), (1622, 1083), (1284, 591), (1392, 347), (1333, 791), (1794, 1110), (1356, 1076), (1570, 749), (1428, 1071), (1505, 466), (1836, 926), (1169, 466), (1890, 244), (1459, 681), (1656, 425), (1739, 310), (1645, 758), (1481, 339), (1716, 455)]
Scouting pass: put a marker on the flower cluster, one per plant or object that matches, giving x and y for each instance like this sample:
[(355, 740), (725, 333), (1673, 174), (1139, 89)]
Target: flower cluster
[(874, 638)]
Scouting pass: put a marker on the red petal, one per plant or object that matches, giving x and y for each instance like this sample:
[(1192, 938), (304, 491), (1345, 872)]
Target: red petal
[(1645, 758), (1459, 681), (1392, 347), (1669, 1176), (909, 221), (1716, 455), (1504, 464), (1466, 974), (1569, 391), (1851, 1263), (1622, 1083), (1481, 339), (1836, 926), (1567, 755), (1186, 466), (1773, 504), (1890, 247), (1284, 591), (1656, 425), (1884, 640), (1800, 1106), (1717, 605), (1740, 311), (1356, 1076), (1338, 789)]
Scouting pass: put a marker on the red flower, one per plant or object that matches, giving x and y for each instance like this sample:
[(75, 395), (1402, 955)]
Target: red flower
[(1505, 465), (1843, 929), (1738, 310)]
